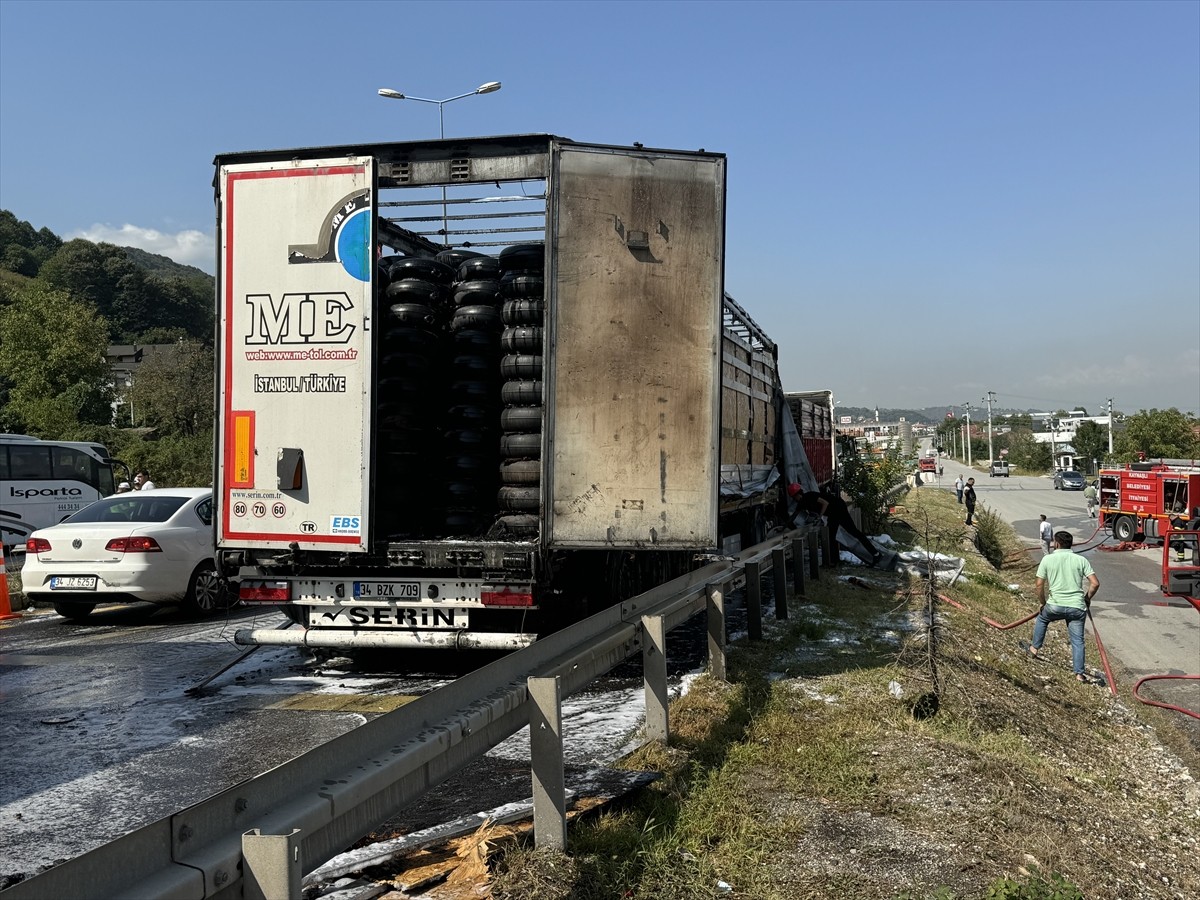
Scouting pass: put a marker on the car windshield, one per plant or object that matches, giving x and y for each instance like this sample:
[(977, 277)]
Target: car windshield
[(130, 509)]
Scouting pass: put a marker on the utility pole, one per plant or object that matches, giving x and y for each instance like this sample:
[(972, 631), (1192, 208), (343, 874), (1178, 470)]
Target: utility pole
[(1110, 424), (989, 400), (967, 407)]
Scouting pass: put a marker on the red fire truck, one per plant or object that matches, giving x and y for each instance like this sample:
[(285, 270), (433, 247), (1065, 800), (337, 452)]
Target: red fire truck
[(1147, 497)]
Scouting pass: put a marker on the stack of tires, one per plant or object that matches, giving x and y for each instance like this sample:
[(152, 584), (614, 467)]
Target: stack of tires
[(471, 439), (409, 389), (523, 315)]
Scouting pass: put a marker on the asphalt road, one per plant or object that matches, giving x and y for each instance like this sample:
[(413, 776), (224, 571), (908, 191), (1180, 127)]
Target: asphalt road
[(1148, 633)]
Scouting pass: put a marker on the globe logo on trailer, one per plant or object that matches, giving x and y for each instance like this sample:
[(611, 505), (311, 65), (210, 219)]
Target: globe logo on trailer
[(344, 237)]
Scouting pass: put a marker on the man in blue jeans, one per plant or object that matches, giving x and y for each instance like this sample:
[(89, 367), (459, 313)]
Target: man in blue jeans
[(1071, 584)]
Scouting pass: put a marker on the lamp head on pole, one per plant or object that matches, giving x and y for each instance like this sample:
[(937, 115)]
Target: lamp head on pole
[(490, 88), (388, 92)]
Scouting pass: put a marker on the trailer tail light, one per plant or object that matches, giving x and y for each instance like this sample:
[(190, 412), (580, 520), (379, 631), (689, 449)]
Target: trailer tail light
[(264, 592), (133, 545), (494, 595), (37, 545)]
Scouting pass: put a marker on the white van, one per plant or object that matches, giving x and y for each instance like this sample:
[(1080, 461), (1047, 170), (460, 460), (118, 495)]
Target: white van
[(999, 468)]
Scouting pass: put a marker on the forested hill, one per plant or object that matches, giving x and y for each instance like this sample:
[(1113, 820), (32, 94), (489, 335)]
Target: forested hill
[(163, 266), (142, 297)]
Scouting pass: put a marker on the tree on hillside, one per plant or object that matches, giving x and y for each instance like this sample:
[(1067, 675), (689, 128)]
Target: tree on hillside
[(23, 249), (1157, 433), (1090, 441), (173, 389), (52, 351)]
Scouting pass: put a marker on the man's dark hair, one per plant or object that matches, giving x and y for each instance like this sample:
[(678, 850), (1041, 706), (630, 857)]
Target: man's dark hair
[(1064, 539)]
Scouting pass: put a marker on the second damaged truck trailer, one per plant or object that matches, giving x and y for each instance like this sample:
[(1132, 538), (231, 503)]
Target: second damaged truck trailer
[(467, 442)]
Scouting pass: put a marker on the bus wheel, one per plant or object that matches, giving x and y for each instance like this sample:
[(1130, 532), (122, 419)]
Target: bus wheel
[(1124, 528), (75, 611)]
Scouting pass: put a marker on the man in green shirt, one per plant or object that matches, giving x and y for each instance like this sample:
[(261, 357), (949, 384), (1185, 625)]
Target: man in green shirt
[(1071, 584)]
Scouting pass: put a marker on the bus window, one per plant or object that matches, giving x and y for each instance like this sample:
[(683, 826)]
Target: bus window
[(4, 464), (29, 463), (74, 465)]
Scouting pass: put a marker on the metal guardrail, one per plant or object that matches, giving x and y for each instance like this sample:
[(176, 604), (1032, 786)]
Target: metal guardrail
[(257, 838)]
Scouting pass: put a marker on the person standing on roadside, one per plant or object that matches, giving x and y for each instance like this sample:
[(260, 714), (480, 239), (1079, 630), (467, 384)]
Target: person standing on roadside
[(958, 487), (1066, 585), (142, 482), (1046, 532), (969, 499), (1089, 494)]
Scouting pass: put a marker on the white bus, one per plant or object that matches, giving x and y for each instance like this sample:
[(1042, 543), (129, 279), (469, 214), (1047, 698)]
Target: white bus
[(43, 482)]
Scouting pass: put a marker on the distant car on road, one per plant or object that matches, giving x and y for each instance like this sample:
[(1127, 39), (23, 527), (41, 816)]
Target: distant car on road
[(999, 468), (1069, 481), (154, 546)]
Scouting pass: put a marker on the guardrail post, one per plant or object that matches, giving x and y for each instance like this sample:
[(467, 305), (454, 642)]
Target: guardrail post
[(828, 546), (779, 570), (814, 556), (546, 750), (716, 630), (654, 677), (798, 565), (271, 869), (754, 600)]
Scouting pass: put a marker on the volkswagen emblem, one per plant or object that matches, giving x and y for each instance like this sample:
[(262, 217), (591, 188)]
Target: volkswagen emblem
[(77, 543)]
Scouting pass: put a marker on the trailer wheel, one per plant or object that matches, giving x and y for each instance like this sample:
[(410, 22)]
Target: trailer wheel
[(523, 312), (479, 267), (521, 499), (521, 366), (522, 339), (1124, 528), (521, 446), (471, 293), (520, 285), (521, 472), (521, 419), (521, 393), (421, 267), (523, 256)]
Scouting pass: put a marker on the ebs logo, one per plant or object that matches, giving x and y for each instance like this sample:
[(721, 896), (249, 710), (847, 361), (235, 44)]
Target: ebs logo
[(345, 525)]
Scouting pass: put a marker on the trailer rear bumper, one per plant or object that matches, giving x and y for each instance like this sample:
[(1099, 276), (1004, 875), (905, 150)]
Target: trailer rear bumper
[(362, 639)]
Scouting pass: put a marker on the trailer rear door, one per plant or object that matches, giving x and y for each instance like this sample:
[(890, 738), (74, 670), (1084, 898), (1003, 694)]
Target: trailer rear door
[(635, 285), (294, 301)]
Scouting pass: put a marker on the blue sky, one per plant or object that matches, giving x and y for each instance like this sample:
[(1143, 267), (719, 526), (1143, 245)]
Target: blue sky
[(926, 201)]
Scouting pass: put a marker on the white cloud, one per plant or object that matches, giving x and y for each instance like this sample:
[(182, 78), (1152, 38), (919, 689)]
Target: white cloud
[(192, 248)]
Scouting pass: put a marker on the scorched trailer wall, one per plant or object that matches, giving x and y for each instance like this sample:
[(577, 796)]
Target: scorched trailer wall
[(541, 399)]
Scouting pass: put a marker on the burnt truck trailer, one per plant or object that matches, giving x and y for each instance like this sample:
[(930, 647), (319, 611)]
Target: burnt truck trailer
[(470, 389)]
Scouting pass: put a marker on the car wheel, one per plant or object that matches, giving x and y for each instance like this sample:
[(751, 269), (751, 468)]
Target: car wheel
[(521, 472), (473, 293), (521, 446), (521, 419), (415, 290), (475, 317), (74, 611), (1124, 528), (455, 257), (479, 268), (207, 592), (421, 268), (530, 287), (520, 499)]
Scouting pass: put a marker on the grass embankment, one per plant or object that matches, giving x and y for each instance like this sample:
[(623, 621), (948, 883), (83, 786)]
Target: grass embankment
[(805, 777)]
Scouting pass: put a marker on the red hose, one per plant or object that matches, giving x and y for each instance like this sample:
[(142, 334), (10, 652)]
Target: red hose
[(1112, 686), (1170, 706)]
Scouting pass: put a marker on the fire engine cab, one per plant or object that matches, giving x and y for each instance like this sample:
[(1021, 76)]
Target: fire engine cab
[(1148, 498)]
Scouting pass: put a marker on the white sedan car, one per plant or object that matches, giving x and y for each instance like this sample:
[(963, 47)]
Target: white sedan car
[(154, 546)]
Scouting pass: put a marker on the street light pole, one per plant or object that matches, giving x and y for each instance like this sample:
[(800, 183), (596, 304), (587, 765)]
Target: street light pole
[(488, 88), (989, 400), (967, 407)]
